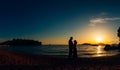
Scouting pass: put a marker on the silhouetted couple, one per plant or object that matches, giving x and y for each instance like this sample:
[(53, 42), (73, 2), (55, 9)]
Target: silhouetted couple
[(72, 48)]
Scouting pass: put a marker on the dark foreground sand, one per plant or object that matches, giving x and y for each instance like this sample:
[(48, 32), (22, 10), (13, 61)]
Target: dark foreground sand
[(45, 62)]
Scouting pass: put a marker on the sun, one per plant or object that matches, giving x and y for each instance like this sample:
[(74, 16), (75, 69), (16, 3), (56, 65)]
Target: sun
[(99, 39)]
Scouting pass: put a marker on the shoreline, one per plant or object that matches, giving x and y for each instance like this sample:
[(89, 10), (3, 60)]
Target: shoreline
[(48, 61), (11, 54)]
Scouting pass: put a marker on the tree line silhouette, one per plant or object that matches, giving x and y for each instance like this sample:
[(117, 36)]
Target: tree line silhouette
[(113, 47), (118, 34), (21, 42)]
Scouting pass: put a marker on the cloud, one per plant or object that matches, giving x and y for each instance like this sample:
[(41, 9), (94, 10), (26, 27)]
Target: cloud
[(112, 19), (95, 21)]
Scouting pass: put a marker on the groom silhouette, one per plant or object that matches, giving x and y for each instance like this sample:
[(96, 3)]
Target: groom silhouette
[(70, 46)]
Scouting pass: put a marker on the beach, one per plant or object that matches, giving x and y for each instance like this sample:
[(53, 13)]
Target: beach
[(49, 62)]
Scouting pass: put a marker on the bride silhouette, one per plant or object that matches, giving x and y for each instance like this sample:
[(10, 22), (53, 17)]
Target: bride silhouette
[(75, 49)]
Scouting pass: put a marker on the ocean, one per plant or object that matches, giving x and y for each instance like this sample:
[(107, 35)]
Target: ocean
[(82, 50)]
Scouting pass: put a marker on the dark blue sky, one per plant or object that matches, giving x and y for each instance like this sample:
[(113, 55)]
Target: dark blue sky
[(50, 20)]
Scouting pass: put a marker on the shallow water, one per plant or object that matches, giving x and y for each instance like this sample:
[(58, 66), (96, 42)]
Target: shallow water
[(82, 50)]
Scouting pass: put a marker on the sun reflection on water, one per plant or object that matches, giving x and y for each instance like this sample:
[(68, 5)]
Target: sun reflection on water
[(99, 51)]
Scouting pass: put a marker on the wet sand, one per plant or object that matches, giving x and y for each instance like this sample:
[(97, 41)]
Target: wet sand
[(45, 62)]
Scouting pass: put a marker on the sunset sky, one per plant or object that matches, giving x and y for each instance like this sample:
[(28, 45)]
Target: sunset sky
[(54, 21)]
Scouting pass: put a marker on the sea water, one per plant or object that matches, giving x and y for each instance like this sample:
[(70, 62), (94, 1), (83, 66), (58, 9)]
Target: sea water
[(82, 50)]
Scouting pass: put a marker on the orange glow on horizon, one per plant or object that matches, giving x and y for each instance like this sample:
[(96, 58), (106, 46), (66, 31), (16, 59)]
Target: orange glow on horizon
[(91, 40), (87, 36)]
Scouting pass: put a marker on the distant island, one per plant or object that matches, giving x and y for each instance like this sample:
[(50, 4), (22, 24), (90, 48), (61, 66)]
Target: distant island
[(21, 42), (86, 44), (93, 44)]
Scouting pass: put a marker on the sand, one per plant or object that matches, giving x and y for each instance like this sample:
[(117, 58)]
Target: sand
[(47, 62)]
